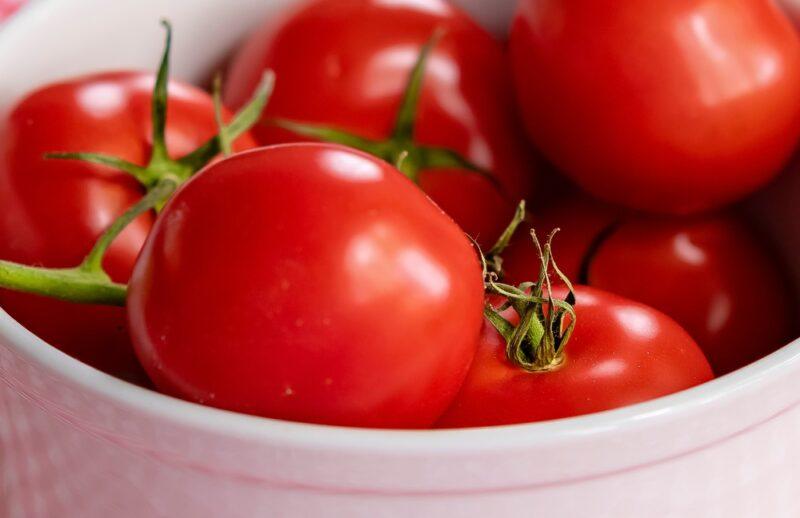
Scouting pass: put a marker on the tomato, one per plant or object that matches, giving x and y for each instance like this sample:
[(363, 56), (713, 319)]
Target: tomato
[(620, 353), (353, 72), (54, 210), (307, 282), (705, 272), (673, 107)]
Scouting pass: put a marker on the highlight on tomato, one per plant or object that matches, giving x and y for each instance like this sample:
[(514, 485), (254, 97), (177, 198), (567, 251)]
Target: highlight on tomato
[(418, 84)]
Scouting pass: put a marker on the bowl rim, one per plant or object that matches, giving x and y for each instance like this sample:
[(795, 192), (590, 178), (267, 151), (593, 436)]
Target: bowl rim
[(247, 427)]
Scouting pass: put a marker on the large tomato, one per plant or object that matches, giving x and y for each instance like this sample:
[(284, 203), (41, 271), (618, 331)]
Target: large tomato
[(346, 64), (620, 353), (54, 210), (307, 282), (660, 105), (705, 272)]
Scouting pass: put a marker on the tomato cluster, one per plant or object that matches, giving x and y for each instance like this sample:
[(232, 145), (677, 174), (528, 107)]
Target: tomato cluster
[(339, 251)]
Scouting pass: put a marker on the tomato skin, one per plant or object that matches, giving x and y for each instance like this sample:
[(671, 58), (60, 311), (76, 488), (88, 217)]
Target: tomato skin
[(54, 210), (621, 353), (673, 107), (709, 273), (352, 73), (308, 282), (712, 275)]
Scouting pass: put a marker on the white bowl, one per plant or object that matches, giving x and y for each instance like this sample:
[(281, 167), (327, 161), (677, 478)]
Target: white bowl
[(78, 443)]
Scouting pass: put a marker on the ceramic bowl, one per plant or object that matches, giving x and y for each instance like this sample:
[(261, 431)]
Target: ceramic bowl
[(77, 443)]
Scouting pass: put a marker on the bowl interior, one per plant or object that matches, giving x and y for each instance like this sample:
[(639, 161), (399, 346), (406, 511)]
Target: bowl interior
[(88, 35)]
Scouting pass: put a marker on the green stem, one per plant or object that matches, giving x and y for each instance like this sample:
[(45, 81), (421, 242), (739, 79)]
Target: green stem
[(87, 283), (546, 324), (242, 122), (158, 195), (399, 149), (222, 130), (407, 114), (142, 174), (160, 165), (70, 284), (159, 102), (494, 257), (330, 134)]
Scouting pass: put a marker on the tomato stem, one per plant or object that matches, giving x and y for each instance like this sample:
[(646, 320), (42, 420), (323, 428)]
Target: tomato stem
[(241, 123), (399, 149), (142, 174), (494, 257), (70, 284), (155, 197), (159, 102), (546, 324), (160, 165), (222, 130), (88, 282), (407, 114)]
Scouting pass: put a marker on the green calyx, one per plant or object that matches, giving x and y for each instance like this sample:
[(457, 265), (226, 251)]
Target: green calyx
[(399, 149), (546, 323), (160, 164), (88, 282)]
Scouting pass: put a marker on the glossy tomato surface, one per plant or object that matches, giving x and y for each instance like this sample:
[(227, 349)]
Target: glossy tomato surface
[(311, 283), (659, 105), (621, 353), (345, 63), (711, 273), (54, 210)]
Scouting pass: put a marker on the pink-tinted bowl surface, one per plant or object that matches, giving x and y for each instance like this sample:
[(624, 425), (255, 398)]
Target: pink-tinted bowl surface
[(77, 443)]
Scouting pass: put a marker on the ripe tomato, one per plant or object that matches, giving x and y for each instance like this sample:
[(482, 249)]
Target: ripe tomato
[(620, 353), (705, 272), (307, 282), (665, 106), (54, 210), (352, 74)]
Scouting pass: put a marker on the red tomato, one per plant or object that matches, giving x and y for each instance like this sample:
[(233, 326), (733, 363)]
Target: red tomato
[(659, 105), (708, 273), (307, 282), (351, 75), (620, 353), (54, 210)]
